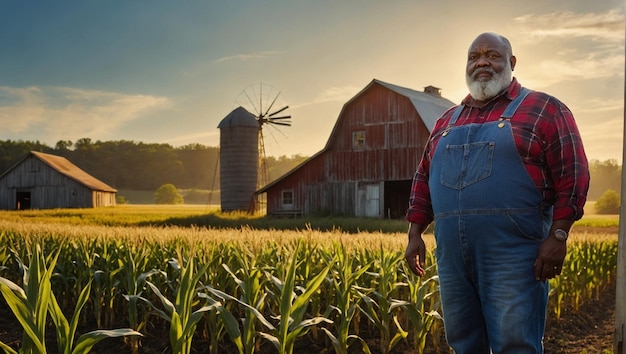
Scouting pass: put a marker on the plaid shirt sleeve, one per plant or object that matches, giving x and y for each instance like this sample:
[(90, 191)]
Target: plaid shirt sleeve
[(420, 209), (560, 170), (549, 144)]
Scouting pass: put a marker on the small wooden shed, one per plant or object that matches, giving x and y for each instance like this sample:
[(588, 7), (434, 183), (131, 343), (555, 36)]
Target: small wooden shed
[(368, 163), (45, 181)]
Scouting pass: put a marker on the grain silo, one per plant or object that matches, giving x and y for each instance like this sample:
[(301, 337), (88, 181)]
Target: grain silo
[(239, 160)]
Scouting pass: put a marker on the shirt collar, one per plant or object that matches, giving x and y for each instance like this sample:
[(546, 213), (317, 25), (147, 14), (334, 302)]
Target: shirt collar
[(510, 93)]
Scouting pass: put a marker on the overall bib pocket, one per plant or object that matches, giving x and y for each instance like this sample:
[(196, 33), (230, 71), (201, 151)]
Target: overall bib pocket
[(465, 164)]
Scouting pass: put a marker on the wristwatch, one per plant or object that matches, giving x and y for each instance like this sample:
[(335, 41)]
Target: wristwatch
[(560, 235)]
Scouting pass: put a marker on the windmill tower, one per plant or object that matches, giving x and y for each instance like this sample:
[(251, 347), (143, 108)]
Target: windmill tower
[(243, 167)]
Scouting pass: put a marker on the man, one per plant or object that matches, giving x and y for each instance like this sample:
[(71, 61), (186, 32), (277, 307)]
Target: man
[(504, 176)]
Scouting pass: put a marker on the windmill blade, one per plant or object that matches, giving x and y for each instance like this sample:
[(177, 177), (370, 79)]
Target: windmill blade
[(282, 117), (280, 123), (280, 110), (271, 104), (271, 129)]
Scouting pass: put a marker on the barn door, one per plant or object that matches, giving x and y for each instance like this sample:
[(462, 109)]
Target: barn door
[(368, 200), (373, 200)]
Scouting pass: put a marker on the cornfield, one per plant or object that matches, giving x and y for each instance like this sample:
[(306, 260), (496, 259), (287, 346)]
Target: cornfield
[(241, 290)]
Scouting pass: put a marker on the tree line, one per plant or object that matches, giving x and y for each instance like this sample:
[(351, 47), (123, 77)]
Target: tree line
[(132, 165)]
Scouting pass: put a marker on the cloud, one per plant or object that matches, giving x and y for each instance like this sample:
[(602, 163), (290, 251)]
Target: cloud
[(337, 94), (551, 71), (596, 48), (20, 108), (607, 26), (248, 56), (70, 113), (601, 105), (332, 94)]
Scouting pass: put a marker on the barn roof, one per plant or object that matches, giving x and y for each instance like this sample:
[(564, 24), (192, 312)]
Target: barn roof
[(65, 167), (429, 107)]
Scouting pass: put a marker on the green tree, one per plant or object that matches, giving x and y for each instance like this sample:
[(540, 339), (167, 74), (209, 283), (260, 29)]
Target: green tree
[(604, 175), (168, 194), (608, 203)]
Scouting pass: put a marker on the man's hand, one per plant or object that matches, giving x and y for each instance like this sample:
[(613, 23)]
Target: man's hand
[(550, 258), (415, 254)]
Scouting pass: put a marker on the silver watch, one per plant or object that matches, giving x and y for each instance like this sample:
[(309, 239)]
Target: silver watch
[(560, 235)]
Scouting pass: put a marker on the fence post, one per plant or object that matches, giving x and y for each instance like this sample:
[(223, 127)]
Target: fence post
[(620, 286)]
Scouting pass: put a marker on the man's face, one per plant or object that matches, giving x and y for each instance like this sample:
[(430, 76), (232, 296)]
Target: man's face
[(489, 67)]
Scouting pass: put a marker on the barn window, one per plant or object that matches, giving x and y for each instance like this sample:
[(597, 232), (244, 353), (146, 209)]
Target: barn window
[(358, 139), (287, 198)]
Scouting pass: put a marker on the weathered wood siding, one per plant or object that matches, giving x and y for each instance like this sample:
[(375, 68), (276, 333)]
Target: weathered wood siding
[(342, 179), (48, 188), (394, 139)]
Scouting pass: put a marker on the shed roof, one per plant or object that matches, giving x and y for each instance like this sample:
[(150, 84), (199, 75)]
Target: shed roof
[(65, 167), (239, 117)]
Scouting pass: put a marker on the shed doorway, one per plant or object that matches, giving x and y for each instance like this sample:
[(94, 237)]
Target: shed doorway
[(22, 200)]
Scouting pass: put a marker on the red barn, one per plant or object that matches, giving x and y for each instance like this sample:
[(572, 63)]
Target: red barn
[(367, 165)]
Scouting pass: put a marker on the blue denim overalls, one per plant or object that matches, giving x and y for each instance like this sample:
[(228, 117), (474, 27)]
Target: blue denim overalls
[(490, 219)]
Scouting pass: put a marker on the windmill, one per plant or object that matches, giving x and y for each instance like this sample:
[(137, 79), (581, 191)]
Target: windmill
[(267, 105)]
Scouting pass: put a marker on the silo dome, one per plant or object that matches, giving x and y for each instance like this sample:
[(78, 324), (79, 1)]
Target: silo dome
[(239, 160)]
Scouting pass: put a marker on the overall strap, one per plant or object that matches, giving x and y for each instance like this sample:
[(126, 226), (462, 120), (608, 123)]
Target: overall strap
[(455, 115), (512, 107), (508, 112)]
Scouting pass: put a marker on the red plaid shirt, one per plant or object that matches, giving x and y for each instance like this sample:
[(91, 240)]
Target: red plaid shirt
[(548, 142)]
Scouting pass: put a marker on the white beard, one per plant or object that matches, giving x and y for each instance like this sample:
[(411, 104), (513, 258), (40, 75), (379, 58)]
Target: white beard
[(484, 90)]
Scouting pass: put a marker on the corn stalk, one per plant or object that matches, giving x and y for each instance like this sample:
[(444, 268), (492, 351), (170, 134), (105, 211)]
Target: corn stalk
[(293, 306), (30, 305), (380, 305), (421, 308), (345, 279), (180, 313)]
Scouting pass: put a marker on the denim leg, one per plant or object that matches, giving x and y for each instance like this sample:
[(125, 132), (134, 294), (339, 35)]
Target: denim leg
[(513, 302), (465, 327)]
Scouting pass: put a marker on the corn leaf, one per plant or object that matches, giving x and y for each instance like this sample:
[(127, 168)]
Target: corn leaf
[(88, 340), (7, 349)]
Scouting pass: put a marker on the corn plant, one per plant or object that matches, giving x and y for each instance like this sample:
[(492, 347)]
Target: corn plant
[(380, 307), (135, 261), (219, 320), (421, 308), (228, 321), (250, 285), (345, 279), (66, 331), (30, 305), (292, 306), (588, 268), (180, 314), (106, 282)]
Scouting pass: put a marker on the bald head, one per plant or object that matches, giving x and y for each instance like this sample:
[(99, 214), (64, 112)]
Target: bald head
[(494, 38), (490, 63)]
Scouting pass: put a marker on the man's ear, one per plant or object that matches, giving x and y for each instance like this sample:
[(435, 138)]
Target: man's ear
[(513, 61)]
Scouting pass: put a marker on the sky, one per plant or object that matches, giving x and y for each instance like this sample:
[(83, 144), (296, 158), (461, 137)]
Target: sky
[(157, 71)]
